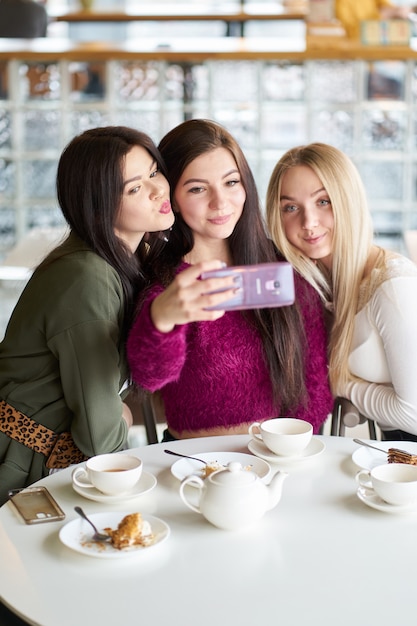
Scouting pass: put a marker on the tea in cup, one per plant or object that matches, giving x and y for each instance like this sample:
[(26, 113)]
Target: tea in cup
[(284, 436), (395, 483), (112, 474)]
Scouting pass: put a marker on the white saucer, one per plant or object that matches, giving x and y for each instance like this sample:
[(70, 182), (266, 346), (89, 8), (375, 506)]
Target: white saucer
[(258, 448), (77, 533), (145, 483), (370, 498)]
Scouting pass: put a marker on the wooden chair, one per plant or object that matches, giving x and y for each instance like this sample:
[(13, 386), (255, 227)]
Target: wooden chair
[(147, 411), (150, 419), (345, 415)]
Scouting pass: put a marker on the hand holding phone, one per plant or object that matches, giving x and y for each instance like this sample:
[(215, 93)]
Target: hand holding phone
[(265, 285)]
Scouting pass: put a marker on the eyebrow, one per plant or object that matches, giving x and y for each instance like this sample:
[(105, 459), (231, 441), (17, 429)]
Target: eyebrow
[(204, 180), (315, 193), (139, 176)]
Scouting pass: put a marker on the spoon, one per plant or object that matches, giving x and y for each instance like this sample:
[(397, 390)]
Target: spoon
[(368, 445), (185, 456), (97, 536), (391, 452)]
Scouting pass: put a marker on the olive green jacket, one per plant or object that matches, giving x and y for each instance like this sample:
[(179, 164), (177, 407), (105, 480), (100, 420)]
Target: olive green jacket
[(62, 359)]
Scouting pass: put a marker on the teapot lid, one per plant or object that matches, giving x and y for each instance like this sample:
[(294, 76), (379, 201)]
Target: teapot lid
[(234, 475)]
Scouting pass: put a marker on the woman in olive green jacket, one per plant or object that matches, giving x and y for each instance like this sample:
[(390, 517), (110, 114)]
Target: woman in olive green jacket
[(62, 361)]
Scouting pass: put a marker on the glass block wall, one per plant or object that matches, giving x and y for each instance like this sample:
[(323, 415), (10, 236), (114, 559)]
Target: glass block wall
[(367, 109)]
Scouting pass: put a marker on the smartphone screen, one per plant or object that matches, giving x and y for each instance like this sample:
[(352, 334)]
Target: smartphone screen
[(36, 505)]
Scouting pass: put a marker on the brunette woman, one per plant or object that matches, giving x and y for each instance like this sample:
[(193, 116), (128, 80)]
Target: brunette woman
[(62, 361), (219, 371)]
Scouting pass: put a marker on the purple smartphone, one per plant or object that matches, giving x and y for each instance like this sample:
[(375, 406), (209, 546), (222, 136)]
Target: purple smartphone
[(261, 286)]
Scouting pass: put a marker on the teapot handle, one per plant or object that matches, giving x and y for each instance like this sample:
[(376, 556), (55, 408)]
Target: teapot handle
[(197, 482)]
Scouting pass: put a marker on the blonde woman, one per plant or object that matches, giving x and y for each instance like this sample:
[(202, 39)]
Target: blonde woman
[(318, 216)]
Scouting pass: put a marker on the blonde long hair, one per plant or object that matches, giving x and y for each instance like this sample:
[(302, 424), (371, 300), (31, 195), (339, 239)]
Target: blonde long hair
[(352, 242)]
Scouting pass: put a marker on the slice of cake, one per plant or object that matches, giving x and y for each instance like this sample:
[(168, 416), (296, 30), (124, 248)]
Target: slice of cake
[(132, 531), (401, 456)]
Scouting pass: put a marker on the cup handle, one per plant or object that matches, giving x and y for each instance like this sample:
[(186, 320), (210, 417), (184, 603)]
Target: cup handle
[(363, 478), (256, 435), (78, 472), (199, 483)]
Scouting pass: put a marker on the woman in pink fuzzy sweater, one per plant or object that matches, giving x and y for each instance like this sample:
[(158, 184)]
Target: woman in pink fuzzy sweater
[(219, 371)]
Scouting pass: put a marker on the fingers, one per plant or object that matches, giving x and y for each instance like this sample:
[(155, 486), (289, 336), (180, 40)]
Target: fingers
[(192, 273), (188, 298)]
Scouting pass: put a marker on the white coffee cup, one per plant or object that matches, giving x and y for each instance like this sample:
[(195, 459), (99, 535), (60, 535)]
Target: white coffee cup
[(284, 436), (396, 483), (112, 474)]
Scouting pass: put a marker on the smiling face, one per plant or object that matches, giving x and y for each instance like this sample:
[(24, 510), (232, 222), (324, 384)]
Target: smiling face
[(145, 205), (306, 213), (210, 197)]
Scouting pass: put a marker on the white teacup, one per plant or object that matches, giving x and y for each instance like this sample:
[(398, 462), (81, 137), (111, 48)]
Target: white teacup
[(284, 436), (112, 474), (396, 483)]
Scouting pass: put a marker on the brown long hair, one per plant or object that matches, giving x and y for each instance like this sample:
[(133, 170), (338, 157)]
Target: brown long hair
[(281, 329), (90, 188)]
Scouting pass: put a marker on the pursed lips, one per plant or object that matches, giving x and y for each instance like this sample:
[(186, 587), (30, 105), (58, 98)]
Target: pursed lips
[(166, 207)]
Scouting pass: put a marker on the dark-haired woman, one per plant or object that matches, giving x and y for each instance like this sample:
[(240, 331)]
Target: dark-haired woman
[(219, 371), (62, 361)]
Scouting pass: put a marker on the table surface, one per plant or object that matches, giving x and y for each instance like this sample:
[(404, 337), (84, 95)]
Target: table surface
[(320, 557)]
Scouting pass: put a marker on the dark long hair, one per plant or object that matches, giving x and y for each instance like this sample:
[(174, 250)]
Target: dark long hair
[(281, 329), (89, 189)]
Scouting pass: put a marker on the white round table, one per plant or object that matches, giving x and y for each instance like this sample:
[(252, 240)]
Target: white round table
[(320, 557)]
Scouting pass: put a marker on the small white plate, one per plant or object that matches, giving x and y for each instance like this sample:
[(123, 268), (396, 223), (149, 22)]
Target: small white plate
[(76, 535), (369, 497), (145, 483), (185, 467), (366, 458), (258, 448)]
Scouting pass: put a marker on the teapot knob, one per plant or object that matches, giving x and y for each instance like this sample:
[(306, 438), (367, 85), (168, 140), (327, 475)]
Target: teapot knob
[(234, 466)]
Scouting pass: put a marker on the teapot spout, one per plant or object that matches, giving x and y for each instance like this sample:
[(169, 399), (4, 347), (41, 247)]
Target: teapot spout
[(275, 488)]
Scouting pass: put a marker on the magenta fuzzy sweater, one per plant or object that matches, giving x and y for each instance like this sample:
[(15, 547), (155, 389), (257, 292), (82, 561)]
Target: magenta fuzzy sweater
[(213, 374)]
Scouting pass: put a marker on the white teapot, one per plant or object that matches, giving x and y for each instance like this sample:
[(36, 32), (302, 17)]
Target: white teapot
[(233, 497)]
